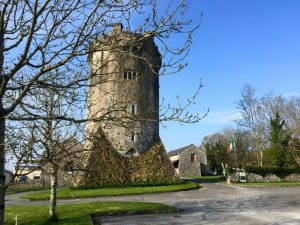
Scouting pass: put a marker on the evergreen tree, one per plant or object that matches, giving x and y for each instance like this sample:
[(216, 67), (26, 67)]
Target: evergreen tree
[(279, 153)]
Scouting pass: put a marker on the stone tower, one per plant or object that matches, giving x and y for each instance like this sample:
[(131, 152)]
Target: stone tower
[(123, 143), (124, 91)]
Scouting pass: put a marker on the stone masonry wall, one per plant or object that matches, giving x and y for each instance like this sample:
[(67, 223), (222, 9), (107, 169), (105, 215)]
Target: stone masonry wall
[(111, 96), (186, 167), (251, 177), (106, 166)]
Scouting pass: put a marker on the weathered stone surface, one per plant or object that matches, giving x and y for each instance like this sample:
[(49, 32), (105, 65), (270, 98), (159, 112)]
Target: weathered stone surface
[(183, 163), (251, 177), (123, 143), (188, 168), (106, 166), (68, 164), (111, 96), (292, 177)]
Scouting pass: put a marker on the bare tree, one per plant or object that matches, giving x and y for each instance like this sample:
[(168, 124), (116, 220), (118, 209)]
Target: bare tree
[(255, 114), (216, 146), (253, 119), (37, 37), (50, 144)]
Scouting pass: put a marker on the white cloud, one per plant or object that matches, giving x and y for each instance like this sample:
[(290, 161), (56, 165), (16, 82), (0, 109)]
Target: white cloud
[(292, 94), (221, 117)]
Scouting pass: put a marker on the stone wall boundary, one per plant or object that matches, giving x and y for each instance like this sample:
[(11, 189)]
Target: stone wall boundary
[(252, 177)]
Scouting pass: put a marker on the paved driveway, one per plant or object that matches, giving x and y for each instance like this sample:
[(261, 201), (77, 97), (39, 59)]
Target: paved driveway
[(222, 204), (212, 204)]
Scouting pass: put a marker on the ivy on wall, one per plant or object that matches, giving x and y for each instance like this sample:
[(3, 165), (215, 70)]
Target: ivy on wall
[(106, 166)]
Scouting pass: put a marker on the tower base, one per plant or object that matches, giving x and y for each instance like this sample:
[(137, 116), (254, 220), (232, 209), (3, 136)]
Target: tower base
[(105, 166)]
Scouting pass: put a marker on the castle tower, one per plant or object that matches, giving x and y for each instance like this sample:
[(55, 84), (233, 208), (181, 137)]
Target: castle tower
[(124, 90), (123, 112)]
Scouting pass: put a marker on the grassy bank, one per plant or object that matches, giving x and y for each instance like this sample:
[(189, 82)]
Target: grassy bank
[(19, 190), (67, 193), (78, 214)]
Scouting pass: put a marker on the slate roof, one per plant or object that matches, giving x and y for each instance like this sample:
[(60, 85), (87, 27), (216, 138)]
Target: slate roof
[(30, 167), (177, 151), (9, 172)]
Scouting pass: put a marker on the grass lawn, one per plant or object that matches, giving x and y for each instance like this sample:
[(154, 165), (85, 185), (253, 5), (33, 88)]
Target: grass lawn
[(18, 190), (270, 184), (211, 179), (78, 214), (67, 193)]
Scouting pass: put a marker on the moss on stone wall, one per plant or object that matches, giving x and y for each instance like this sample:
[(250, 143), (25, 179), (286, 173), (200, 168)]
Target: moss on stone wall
[(106, 166)]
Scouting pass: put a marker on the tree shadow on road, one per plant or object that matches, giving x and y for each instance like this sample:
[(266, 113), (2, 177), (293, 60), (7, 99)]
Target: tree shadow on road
[(256, 209), (207, 179)]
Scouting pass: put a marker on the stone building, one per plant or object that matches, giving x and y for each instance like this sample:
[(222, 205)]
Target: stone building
[(189, 161), (27, 172), (124, 90), (123, 111)]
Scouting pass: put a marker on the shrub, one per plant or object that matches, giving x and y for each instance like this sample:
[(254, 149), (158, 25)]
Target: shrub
[(278, 171)]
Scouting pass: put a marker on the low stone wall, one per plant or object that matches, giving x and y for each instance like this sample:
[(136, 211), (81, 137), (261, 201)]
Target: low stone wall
[(251, 177)]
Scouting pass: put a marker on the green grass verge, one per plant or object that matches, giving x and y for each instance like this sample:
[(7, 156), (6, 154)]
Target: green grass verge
[(78, 214), (271, 184), (19, 190), (211, 179), (68, 193)]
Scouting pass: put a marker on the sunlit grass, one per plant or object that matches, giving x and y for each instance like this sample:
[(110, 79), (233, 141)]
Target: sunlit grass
[(19, 190), (67, 193), (78, 214)]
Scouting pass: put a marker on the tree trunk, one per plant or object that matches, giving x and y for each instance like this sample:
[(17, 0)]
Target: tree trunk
[(2, 166), (298, 160), (261, 157), (2, 128), (52, 208), (260, 152)]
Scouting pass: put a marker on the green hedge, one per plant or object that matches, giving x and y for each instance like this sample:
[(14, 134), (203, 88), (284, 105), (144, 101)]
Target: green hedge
[(278, 171)]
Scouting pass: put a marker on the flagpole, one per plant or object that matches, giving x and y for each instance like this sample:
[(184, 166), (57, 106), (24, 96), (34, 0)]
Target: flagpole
[(235, 151)]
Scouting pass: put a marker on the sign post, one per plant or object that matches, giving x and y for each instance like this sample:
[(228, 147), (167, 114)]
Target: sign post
[(243, 177)]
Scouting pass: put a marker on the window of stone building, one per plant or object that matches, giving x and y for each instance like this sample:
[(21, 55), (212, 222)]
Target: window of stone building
[(133, 109), (36, 178), (193, 157), (129, 75), (175, 164), (134, 49), (133, 136), (126, 48), (130, 48)]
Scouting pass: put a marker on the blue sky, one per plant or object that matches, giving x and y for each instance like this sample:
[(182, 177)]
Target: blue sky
[(239, 42)]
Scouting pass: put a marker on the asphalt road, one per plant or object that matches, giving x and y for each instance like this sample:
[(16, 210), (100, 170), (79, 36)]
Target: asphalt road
[(212, 204)]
